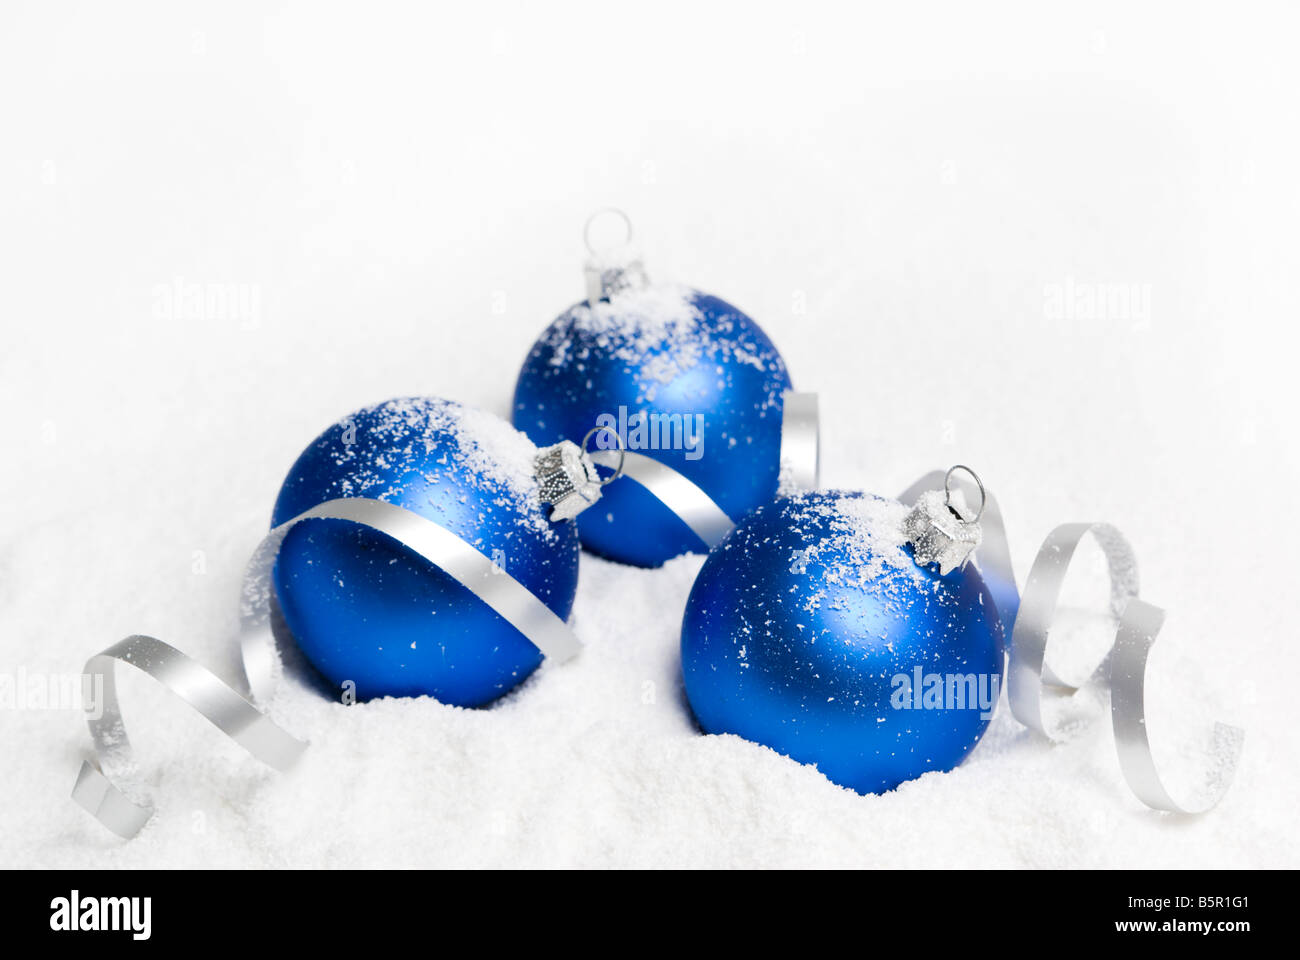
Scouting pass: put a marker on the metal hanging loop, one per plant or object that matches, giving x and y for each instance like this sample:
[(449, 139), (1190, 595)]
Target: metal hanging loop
[(947, 488), (622, 451), (586, 230)]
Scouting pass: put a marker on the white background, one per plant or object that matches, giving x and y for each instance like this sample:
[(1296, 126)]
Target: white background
[(895, 192)]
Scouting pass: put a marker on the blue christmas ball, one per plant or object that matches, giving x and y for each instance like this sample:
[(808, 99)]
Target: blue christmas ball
[(364, 608), (811, 629), (685, 378)]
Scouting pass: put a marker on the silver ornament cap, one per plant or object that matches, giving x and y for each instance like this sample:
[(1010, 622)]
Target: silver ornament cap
[(568, 480), (941, 531), (567, 476)]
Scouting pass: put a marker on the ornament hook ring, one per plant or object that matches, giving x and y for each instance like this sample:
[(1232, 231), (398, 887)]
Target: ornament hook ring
[(622, 451), (586, 229), (947, 488)]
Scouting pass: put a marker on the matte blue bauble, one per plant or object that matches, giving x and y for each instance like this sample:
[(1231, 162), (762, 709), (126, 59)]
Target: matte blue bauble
[(365, 609), (812, 630), (660, 350)]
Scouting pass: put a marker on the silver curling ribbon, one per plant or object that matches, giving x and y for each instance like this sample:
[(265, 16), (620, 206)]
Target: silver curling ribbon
[(203, 690), (1027, 620), (692, 505), (799, 468), (1027, 670), (800, 442), (238, 716), (1128, 662)]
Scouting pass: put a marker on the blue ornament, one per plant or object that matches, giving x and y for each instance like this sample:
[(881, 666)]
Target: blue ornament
[(366, 609), (813, 630), (682, 377)]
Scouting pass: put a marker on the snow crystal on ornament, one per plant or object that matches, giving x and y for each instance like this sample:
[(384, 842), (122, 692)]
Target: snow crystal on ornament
[(634, 325), (656, 330), (867, 546), (494, 456)]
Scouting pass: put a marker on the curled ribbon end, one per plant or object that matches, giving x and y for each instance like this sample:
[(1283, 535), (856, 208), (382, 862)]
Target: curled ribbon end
[(1138, 629), (95, 794), (800, 456)]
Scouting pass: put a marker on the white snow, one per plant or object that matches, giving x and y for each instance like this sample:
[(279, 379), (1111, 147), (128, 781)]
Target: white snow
[(495, 458), (653, 329), (868, 531), (1056, 247)]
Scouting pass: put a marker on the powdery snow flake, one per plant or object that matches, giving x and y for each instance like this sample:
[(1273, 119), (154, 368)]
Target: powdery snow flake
[(494, 457)]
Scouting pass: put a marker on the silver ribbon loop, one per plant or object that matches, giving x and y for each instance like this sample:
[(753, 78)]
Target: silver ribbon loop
[(1027, 620), (238, 717), (1027, 671), (229, 712), (1128, 663), (801, 441)]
